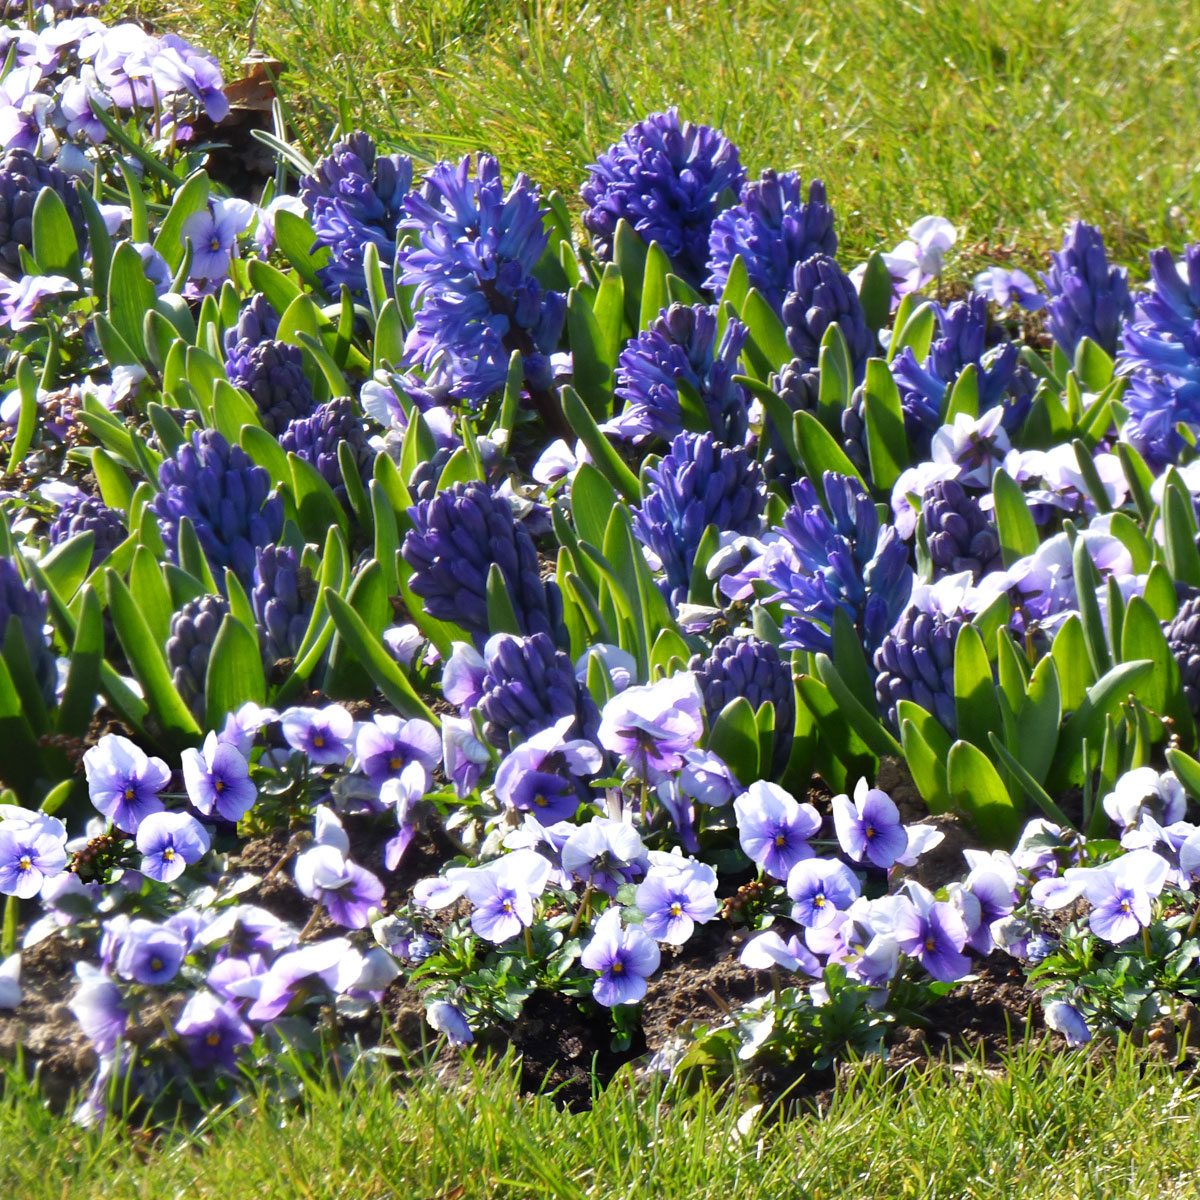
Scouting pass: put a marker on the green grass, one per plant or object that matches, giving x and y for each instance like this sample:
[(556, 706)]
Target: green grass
[(1047, 1126), (1008, 116)]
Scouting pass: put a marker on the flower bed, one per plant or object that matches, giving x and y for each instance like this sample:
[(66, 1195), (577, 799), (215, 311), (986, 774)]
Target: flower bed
[(660, 644)]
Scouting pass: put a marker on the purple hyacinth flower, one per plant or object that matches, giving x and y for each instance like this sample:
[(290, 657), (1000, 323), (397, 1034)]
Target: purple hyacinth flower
[(820, 889), (1121, 893), (653, 726), (348, 892), (605, 854), (869, 827), (931, 931), (774, 828), (387, 744), (503, 893), (622, 957), (675, 898), (150, 953), (123, 782), (169, 843), (217, 780), (212, 1031), (325, 735), (448, 1019), (99, 1008), (29, 855)]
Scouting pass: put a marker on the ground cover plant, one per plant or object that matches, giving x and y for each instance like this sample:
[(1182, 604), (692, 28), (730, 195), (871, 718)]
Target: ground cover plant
[(658, 639)]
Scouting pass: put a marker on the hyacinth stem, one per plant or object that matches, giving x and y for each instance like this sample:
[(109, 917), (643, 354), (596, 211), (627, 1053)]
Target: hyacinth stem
[(545, 400)]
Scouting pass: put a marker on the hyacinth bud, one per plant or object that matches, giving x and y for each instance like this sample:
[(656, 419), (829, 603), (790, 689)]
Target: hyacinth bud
[(773, 229), (83, 514), (698, 484), (1086, 297), (273, 374), (916, 662), (751, 668), (1183, 638), (529, 685), (316, 439), (456, 538), (356, 196), (22, 177), (189, 645), (423, 482), (822, 294), (679, 352), (226, 498), (798, 386), (958, 534), (18, 599), (257, 322), (283, 599), (666, 178)]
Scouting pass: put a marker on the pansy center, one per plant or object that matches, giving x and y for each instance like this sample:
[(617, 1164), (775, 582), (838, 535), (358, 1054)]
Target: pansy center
[(214, 243), (213, 1039), (129, 792), (540, 800), (168, 855), (156, 963), (676, 909), (618, 968), (930, 944), (781, 839), (25, 863), (218, 786), (507, 905), (318, 740), (395, 762), (1125, 906), (869, 833), (819, 900)]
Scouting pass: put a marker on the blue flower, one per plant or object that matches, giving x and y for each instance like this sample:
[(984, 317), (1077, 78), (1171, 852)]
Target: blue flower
[(667, 180), (316, 438), (698, 484), (673, 376), (283, 599), (774, 230), (83, 514), (1086, 297), (472, 264), (19, 601), (623, 958), (170, 843), (821, 294), (273, 373), (915, 661), (123, 783)]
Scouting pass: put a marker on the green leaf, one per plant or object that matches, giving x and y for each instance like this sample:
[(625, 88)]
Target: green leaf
[(1186, 769), (500, 614), (820, 453), (667, 646), (928, 768), (1140, 479), (1033, 789), (851, 661), (964, 396), (734, 739), (1142, 637), (843, 756), (766, 329), (1087, 580), (593, 371), (976, 787), (1075, 674), (605, 458), (876, 293), (1160, 592), (629, 253), (1038, 719), (1093, 365), (69, 564), (191, 198), (382, 668), (317, 508), (864, 721), (975, 703), (1183, 559), (150, 594), (914, 325), (655, 294), (55, 247), (295, 238), (27, 415), (1015, 525), (130, 296), (887, 443), (235, 672)]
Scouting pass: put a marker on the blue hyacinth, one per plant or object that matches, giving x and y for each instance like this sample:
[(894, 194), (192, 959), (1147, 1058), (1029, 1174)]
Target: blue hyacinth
[(667, 179), (83, 514), (472, 265), (962, 340), (673, 376), (282, 598), (273, 373), (257, 322), (18, 599), (227, 499), (1085, 296), (529, 685), (837, 557), (821, 295), (699, 483), (355, 196), (958, 533), (456, 538), (316, 439), (774, 229), (916, 662)]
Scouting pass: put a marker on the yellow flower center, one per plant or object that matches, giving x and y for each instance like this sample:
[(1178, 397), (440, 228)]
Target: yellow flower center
[(156, 964), (395, 762), (618, 967), (214, 244), (780, 839), (25, 863), (676, 909), (540, 800), (129, 793), (318, 740), (930, 944), (213, 1039), (168, 855), (219, 786)]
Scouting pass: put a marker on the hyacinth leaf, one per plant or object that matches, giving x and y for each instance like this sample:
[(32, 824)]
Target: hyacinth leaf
[(500, 613), (148, 663), (700, 587), (130, 296), (887, 442), (1124, 527), (927, 767), (1160, 592), (797, 774), (235, 672), (851, 661), (1038, 720), (766, 329), (682, 292), (1092, 365), (913, 327), (876, 293), (1015, 525), (55, 247), (593, 370), (1087, 580), (1086, 724), (1032, 788), (608, 309), (734, 739), (841, 754), (232, 410), (589, 608), (975, 706), (1091, 477), (655, 293), (278, 288), (100, 243), (864, 721), (418, 445), (1186, 769), (629, 253), (158, 336), (1142, 636), (605, 458), (733, 295), (1013, 674), (1116, 617), (295, 238), (1139, 478), (764, 719), (376, 288), (27, 416), (976, 787), (669, 648), (239, 602), (356, 493), (628, 565), (382, 668), (151, 595), (16, 656), (836, 381), (183, 587), (963, 397), (1183, 559), (347, 674), (1075, 674), (765, 626), (317, 508), (820, 453), (21, 753), (568, 542), (777, 410), (191, 198), (165, 427), (192, 558), (264, 451), (68, 564)]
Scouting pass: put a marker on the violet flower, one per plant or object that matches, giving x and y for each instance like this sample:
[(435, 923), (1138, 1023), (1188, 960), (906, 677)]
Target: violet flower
[(212, 1031), (217, 780), (1121, 893), (653, 726), (774, 828), (931, 931), (464, 755), (325, 735), (623, 958), (870, 826), (348, 892), (1066, 1019), (528, 778), (605, 854), (675, 898), (334, 964), (169, 843), (123, 783), (503, 893), (387, 744), (820, 888), (29, 856), (213, 233), (99, 1008), (768, 951), (448, 1019), (150, 953)]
